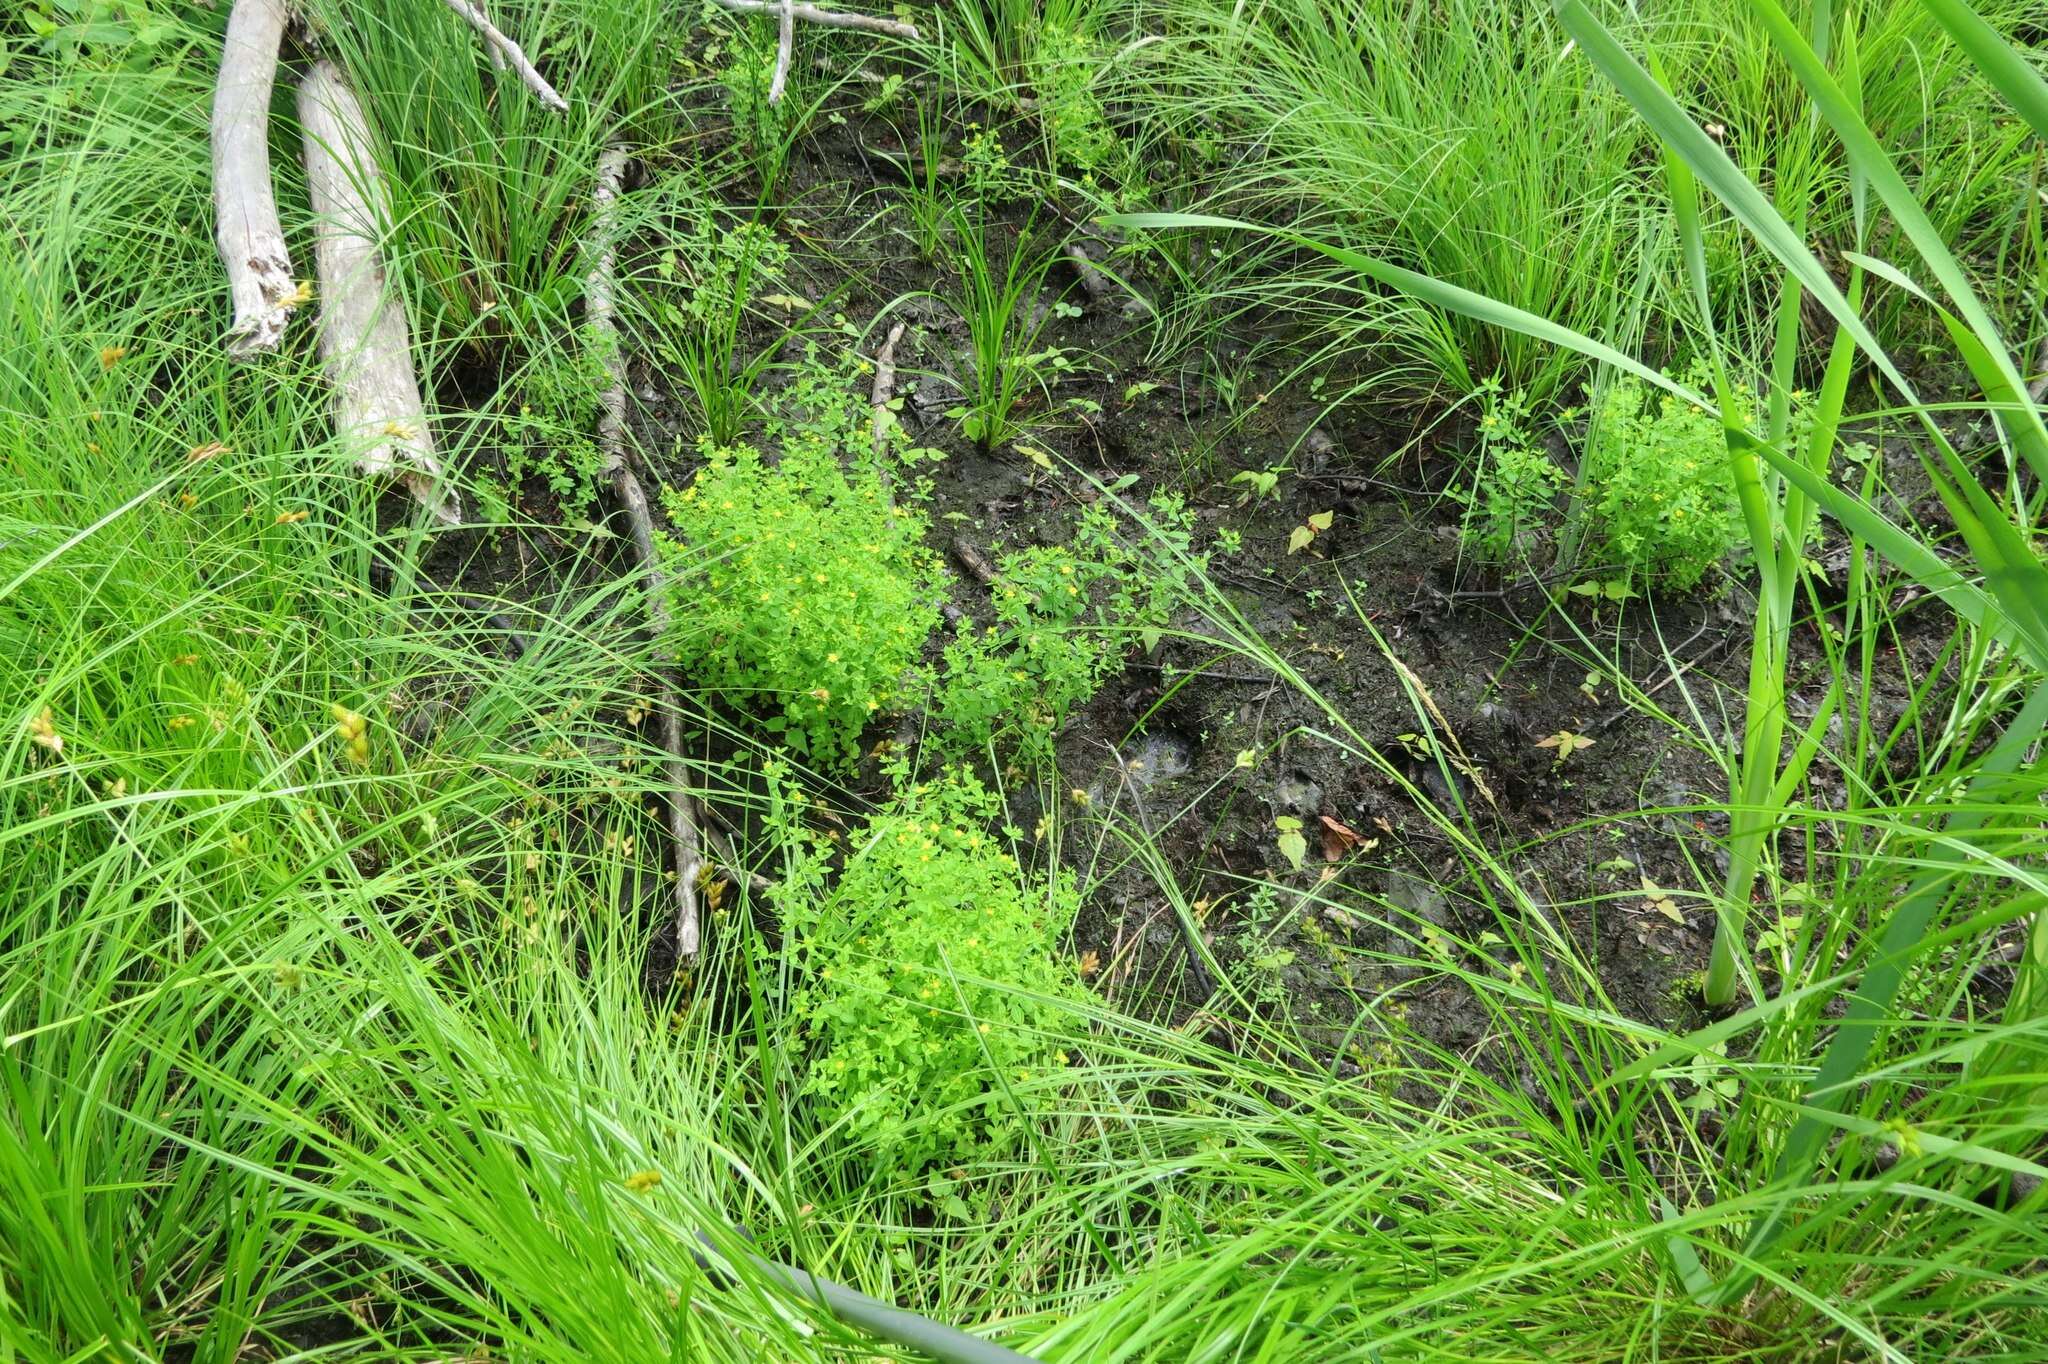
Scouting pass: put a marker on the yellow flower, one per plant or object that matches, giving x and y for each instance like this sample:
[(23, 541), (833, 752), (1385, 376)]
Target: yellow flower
[(643, 1181), (111, 356)]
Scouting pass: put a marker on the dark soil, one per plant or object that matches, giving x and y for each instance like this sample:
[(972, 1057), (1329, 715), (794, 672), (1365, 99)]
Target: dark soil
[(1386, 895)]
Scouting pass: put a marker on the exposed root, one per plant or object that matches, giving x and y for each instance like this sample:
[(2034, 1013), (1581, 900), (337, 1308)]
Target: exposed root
[(504, 52), (246, 226), (631, 498), (364, 342)]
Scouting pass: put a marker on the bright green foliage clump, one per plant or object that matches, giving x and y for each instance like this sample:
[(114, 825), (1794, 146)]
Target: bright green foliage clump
[(1660, 497), (1655, 500), (1065, 65), (1514, 498), (1066, 617), (549, 434), (803, 594), (934, 983)]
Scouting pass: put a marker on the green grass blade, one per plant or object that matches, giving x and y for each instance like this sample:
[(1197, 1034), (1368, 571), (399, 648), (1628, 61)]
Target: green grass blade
[(2002, 65)]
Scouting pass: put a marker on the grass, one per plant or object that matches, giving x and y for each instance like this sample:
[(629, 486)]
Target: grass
[(307, 1056)]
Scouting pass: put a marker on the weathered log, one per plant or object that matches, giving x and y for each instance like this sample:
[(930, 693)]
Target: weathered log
[(365, 344), (504, 52), (827, 18), (246, 227), (600, 302)]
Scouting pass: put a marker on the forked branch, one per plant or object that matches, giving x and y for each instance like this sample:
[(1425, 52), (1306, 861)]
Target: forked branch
[(505, 52), (825, 18)]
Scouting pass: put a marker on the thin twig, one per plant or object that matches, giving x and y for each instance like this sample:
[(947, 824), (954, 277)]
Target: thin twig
[(828, 18), (506, 52), (600, 304)]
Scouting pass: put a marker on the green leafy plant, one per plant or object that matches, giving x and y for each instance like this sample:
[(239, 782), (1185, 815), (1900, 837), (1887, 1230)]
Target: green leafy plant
[(804, 593), (1066, 617), (1513, 497), (715, 274), (998, 291), (765, 132), (1657, 498), (933, 981), (1065, 65), (551, 434)]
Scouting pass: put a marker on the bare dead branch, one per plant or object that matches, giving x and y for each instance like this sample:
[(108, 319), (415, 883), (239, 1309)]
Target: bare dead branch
[(246, 227), (827, 18), (969, 556), (600, 312), (885, 387), (785, 44), (504, 52), (365, 344)]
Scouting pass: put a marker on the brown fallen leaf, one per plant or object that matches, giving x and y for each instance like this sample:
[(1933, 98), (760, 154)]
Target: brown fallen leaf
[(1337, 838)]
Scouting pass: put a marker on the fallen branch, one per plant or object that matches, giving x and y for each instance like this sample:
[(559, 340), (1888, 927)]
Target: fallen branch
[(970, 557), (785, 44), (600, 311), (504, 52), (364, 342), (885, 388), (826, 18), (246, 228)]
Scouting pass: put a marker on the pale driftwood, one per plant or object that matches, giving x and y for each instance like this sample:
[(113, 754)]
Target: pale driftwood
[(504, 52), (600, 302), (825, 18), (885, 389), (785, 44), (365, 344), (245, 221)]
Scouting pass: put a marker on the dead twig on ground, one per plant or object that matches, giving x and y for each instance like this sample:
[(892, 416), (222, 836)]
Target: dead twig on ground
[(885, 388), (505, 52), (365, 344), (973, 560), (600, 313), (246, 227), (825, 18)]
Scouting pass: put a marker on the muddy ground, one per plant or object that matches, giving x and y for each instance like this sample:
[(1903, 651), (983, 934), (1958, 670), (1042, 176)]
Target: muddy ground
[(1504, 661)]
